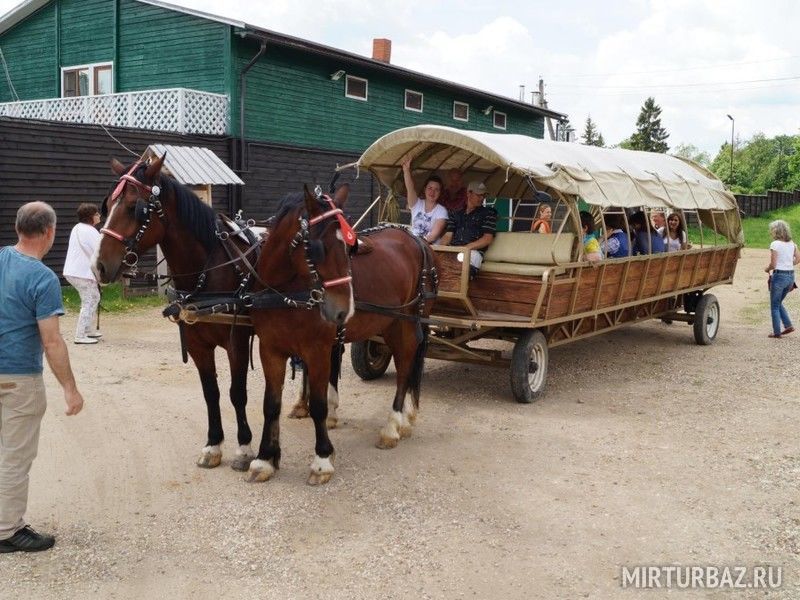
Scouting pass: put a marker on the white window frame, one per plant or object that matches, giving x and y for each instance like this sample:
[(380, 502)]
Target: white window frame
[(464, 104), (421, 101), (347, 85), (494, 120), (91, 67)]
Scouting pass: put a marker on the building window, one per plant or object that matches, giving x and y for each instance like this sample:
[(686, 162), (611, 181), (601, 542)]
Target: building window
[(460, 111), (87, 80), (499, 120), (413, 101), (355, 87)]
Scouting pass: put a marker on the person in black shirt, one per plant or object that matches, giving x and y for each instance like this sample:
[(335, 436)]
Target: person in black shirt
[(474, 227)]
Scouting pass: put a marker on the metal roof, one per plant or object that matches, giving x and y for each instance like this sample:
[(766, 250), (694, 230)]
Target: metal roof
[(192, 165)]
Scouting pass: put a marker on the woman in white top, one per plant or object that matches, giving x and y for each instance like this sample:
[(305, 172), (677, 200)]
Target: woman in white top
[(83, 241), (675, 236), (784, 255), (428, 217)]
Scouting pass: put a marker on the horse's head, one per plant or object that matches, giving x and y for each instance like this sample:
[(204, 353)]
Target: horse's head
[(318, 239), (133, 216)]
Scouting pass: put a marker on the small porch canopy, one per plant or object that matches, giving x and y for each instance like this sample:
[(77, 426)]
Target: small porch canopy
[(194, 166)]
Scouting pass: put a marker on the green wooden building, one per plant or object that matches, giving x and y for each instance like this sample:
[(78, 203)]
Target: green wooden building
[(289, 107)]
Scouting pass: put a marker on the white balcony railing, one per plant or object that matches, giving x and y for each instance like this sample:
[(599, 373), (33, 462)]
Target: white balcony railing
[(177, 109)]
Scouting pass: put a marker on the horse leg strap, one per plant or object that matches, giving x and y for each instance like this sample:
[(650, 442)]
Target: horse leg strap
[(182, 336)]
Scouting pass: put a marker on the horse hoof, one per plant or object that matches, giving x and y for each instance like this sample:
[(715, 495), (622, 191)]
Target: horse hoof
[(241, 463), (319, 478), (259, 471), (387, 443), (209, 461), (299, 412), (321, 470), (331, 422), (405, 432)]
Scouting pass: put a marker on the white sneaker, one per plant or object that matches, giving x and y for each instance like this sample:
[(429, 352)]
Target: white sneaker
[(86, 340), (95, 334)]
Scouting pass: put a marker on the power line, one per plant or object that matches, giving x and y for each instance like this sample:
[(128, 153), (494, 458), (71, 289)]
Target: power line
[(672, 85), (679, 70)]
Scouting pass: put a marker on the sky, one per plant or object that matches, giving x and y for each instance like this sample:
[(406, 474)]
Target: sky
[(700, 59)]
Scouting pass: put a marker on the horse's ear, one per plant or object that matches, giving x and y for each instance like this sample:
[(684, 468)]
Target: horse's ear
[(340, 197), (154, 168), (117, 167), (312, 206)]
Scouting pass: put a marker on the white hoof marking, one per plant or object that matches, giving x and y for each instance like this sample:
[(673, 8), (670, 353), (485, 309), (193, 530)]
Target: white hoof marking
[(321, 465)]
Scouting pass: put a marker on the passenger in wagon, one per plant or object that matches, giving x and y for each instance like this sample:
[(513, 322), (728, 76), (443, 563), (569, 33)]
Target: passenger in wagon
[(454, 195), (616, 243), (591, 246), (675, 235), (657, 218), (428, 217), (474, 227), (542, 223), (646, 240)]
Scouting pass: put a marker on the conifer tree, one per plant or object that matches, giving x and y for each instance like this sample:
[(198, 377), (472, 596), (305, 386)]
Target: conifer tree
[(650, 135)]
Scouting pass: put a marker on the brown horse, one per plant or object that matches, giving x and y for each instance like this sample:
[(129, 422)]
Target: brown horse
[(304, 263), (200, 264), (394, 281)]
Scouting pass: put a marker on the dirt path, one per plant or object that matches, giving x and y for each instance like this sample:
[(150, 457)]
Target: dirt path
[(646, 449)]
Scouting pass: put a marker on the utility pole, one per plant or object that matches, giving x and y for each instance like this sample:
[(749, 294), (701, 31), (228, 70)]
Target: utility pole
[(543, 104)]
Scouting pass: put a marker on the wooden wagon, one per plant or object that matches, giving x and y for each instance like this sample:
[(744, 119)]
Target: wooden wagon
[(537, 290)]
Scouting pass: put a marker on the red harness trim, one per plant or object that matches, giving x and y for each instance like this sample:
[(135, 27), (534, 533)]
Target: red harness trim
[(113, 234), (348, 235), (335, 282)]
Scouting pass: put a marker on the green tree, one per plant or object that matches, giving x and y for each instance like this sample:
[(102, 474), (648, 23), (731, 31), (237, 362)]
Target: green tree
[(692, 152), (650, 135), (591, 136), (760, 164)]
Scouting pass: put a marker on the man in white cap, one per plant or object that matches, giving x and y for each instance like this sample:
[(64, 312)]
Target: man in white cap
[(474, 227)]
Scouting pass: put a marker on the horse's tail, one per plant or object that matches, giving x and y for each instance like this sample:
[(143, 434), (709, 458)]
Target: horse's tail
[(415, 378)]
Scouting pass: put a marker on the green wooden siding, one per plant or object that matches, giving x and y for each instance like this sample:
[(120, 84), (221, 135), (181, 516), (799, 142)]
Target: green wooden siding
[(87, 32), (291, 99), (160, 48), (28, 50)]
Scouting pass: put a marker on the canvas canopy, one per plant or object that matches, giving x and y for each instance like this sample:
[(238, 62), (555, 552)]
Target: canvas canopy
[(600, 176), (603, 177)]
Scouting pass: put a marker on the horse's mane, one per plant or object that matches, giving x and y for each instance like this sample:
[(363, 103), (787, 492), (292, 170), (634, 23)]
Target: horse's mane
[(289, 204), (197, 216)]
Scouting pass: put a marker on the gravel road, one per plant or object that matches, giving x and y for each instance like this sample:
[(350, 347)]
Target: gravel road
[(645, 450)]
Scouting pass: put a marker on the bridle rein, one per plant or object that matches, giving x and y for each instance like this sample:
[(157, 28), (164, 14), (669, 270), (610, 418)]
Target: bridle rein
[(145, 209), (142, 214)]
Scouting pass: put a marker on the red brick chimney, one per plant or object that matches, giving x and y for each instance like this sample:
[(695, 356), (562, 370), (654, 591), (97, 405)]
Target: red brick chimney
[(382, 50)]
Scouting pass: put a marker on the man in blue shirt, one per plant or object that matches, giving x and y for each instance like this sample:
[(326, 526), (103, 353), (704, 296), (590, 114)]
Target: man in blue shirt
[(30, 305)]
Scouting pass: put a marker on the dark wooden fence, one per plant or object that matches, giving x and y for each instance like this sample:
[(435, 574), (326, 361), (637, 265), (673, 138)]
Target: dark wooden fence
[(66, 164), (754, 205)]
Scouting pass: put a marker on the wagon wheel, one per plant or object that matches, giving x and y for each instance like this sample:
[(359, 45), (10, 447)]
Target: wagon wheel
[(706, 319), (370, 359), (529, 366)]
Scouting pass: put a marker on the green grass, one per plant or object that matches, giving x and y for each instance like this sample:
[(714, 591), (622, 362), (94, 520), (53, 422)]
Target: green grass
[(756, 229), (111, 299)]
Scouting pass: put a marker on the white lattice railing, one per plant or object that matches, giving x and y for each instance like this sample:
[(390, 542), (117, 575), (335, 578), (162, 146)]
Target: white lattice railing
[(177, 109)]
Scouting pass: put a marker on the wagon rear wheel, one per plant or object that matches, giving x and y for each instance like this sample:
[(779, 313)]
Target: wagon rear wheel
[(370, 359), (529, 366), (706, 319)]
